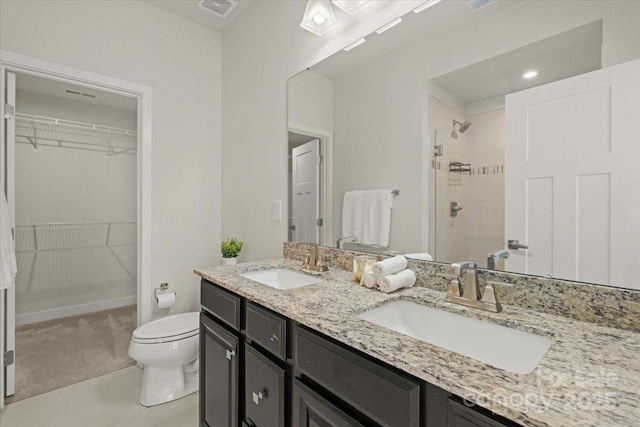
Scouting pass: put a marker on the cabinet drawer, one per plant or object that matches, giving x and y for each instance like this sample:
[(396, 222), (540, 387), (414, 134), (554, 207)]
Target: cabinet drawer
[(264, 390), (267, 329), (223, 304), (386, 397), (459, 415), (310, 409)]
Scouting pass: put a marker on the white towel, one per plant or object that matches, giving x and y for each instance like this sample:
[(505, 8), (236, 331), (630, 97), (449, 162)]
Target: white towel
[(377, 218), (353, 214), (8, 266), (393, 282), (389, 265), (369, 279), (420, 256), (367, 216)]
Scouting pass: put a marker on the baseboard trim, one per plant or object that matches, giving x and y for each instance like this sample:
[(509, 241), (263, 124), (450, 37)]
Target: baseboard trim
[(57, 313)]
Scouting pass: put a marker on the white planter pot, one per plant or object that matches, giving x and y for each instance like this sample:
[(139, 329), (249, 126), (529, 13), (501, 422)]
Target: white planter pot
[(229, 261)]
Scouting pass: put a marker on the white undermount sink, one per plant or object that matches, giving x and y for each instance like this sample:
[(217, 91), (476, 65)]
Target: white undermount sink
[(499, 346), (279, 278)]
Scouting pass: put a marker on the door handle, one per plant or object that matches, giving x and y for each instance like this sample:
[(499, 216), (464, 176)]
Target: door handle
[(292, 227), (515, 244), (259, 396)]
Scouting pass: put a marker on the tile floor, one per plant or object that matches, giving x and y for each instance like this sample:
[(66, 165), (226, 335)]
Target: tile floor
[(107, 401)]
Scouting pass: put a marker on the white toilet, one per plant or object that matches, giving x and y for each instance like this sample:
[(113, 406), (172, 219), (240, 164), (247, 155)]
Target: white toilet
[(168, 350)]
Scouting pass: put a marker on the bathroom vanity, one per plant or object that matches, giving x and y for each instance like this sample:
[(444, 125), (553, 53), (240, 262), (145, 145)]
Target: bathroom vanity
[(267, 370), (304, 357)]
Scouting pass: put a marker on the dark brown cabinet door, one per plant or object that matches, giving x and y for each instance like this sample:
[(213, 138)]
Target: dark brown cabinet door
[(218, 375), (459, 415), (312, 410), (264, 390)]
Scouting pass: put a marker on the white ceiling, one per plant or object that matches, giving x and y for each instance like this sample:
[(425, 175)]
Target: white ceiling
[(187, 9), (42, 86), (567, 54), (437, 21)]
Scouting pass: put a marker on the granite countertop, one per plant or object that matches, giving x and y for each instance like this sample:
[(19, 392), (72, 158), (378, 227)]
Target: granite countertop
[(590, 376)]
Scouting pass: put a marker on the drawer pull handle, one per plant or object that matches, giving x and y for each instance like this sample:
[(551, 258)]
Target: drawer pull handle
[(274, 337), (258, 396)]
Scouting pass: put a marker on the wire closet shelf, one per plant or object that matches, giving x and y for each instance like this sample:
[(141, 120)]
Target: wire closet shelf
[(50, 132)]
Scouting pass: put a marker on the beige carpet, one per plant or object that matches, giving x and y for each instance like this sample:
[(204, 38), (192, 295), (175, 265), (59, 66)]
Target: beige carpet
[(57, 353)]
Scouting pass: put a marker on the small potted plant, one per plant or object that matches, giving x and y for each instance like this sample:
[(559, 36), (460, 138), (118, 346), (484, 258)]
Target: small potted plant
[(230, 249)]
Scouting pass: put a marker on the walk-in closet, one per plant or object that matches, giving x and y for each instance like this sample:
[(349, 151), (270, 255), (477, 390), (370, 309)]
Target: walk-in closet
[(76, 234)]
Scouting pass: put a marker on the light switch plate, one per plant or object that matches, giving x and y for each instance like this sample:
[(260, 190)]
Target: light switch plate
[(277, 210)]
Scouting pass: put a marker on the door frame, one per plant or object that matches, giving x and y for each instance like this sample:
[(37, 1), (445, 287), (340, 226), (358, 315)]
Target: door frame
[(10, 61), (326, 177)]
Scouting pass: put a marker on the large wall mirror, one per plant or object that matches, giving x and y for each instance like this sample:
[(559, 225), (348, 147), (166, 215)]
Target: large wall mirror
[(509, 135)]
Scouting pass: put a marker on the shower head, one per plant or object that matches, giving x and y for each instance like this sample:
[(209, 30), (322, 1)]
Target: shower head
[(464, 126)]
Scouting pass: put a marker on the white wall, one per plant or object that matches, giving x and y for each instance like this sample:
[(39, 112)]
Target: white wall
[(180, 61), (261, 51), (310, 99), (377, 133)]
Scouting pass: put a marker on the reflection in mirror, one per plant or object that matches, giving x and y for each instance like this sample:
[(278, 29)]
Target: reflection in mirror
[(439, 108)]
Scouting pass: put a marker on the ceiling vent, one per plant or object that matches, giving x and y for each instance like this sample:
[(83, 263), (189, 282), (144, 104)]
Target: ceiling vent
[(75, 92), (475, 5), (220, 8)]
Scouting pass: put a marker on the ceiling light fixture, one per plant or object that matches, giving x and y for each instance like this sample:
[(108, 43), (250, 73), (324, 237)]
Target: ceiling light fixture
[(388, 26), (318, 17), (354, 44), (530, 74), (426, 5), (351, 6)]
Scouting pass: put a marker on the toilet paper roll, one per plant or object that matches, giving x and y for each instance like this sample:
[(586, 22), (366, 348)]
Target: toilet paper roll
[(167, 300)]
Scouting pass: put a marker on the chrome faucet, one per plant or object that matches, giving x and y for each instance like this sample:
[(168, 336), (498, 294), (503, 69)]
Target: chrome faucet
[(470, 295), (494, 257), (313, 261), (340, 239)]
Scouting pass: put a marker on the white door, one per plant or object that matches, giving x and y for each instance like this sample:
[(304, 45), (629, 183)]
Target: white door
[(8, 296), (304, 188), (572, 155)]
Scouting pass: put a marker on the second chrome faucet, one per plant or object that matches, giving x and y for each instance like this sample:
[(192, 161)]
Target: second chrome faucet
[(313, 261), (470, 294)]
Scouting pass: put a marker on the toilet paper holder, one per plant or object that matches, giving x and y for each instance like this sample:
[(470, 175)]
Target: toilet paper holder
[(163, 287)]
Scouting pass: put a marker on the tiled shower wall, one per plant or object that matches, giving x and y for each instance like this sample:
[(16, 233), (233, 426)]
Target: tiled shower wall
[(451, 240), (478, 229), (485, 221)]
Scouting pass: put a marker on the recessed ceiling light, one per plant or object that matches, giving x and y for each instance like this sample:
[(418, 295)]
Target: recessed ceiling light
[(426, 5), (389, 25), (530, 74), (354, 44)]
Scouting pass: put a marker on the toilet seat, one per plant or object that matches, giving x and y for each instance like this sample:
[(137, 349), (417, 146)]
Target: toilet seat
[(167, 329)]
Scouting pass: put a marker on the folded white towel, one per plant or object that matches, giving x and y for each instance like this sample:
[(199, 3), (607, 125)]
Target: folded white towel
[(420, 256), (369, 279), (389, 265), (393, 282), (8, 267)]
